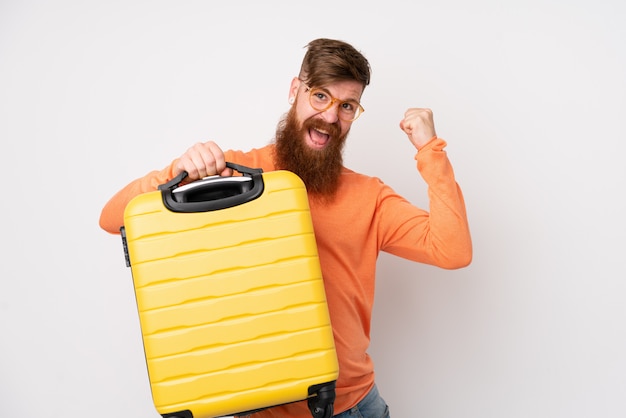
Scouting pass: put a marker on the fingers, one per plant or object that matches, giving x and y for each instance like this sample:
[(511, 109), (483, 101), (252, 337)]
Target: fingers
[(418, 125), (203, 159), (415, 117)]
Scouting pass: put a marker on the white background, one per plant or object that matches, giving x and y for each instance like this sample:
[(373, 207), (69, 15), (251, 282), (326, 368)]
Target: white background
[(530, 95)]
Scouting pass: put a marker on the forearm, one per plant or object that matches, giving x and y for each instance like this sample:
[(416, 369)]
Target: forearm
[(438, 236), (449, 233), (112, 215)]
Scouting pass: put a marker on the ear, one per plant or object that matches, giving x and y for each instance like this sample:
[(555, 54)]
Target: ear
[(293, 89)]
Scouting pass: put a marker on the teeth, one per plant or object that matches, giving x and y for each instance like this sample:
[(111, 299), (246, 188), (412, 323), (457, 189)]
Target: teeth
[(319, 137)]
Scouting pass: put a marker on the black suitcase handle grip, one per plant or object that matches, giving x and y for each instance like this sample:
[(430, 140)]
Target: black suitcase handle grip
[(213, 193)]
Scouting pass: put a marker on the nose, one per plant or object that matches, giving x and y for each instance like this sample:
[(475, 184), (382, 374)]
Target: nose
[(331, 115)]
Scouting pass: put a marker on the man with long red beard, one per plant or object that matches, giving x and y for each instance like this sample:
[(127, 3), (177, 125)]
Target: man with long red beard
[(354, 216), (319, 160)]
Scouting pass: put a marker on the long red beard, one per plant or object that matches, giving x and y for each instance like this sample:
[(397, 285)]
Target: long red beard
[(319, 169)]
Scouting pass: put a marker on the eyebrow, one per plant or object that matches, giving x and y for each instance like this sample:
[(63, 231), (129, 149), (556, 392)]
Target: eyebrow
[(324, 89)]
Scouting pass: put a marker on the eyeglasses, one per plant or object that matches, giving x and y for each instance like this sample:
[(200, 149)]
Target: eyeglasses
[(348, 110)]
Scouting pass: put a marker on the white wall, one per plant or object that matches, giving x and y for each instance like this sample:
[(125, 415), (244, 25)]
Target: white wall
[(530, 95)]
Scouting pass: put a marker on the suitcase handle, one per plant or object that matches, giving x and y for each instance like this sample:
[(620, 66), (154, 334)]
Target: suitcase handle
[(213, 193)]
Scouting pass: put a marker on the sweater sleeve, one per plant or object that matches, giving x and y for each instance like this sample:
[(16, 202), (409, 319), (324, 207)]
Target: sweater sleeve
[(439, 236), (112, 215)]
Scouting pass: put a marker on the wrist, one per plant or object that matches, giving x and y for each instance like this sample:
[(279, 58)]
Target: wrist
[(425, 144)]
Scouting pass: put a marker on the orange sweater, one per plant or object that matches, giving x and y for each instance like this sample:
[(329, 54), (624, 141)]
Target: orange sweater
[(366, 217)]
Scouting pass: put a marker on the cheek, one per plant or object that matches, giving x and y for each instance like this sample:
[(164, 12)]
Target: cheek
[(345, 127), (304, 112)]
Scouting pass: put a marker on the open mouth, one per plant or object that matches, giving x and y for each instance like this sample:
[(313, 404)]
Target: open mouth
[(318, 138)]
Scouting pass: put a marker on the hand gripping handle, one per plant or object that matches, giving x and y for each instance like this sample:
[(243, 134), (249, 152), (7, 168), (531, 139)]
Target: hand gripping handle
[(213, 193)]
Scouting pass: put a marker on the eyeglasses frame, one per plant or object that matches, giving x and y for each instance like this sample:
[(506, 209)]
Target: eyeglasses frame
[(332, 102)]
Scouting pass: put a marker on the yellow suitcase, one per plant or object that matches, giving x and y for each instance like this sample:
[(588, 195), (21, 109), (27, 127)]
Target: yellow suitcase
[(230, 295)]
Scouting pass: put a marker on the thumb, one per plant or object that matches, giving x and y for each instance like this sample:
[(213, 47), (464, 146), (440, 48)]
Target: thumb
[(227, 172)]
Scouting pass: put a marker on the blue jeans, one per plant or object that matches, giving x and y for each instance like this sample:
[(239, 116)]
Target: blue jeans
[(372, 406)]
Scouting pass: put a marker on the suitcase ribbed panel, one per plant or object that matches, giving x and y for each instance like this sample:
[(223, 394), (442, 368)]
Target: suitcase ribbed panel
[(231, 302)]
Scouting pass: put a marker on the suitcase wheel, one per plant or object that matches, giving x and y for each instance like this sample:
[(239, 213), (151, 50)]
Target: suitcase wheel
[(322, 404)]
